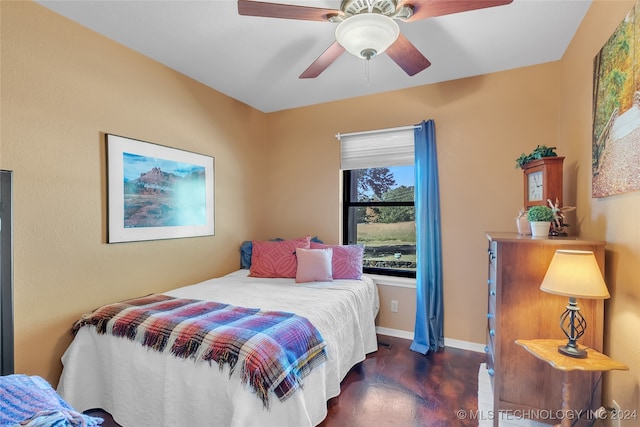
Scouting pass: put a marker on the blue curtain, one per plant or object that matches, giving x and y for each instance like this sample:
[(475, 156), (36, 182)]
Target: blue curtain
[(429, 330)]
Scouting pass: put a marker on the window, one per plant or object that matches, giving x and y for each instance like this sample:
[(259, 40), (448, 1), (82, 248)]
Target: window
[(379, 214), (377, 199)]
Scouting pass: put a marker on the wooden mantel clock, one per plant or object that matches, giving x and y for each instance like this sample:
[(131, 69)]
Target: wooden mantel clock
[(542, 181)]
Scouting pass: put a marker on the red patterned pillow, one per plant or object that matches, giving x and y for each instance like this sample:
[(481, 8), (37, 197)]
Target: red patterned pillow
[(346, 262), (276, 259)]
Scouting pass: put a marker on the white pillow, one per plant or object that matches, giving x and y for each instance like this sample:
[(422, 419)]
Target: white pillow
[(314, 265)]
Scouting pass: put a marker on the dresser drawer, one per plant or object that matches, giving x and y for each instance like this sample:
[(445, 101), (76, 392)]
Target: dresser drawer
[(490, 351), (491, 299), (491, 315), (493, 255)]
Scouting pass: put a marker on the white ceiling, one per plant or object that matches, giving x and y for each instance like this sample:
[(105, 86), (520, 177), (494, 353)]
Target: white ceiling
[(258, 60)]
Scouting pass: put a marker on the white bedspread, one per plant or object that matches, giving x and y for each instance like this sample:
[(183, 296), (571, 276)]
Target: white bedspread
[(141, 387)]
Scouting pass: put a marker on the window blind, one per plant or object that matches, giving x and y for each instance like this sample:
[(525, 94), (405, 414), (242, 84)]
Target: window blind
[(379, 148)]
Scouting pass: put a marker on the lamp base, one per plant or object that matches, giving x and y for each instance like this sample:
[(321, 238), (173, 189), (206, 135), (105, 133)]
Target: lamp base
[(572, 351)]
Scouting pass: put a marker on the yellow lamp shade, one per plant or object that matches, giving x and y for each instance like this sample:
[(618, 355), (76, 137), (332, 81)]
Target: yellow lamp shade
[(575, 274)]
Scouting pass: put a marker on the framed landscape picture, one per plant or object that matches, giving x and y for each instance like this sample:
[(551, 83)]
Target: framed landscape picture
[(157, 192), (616, 111)]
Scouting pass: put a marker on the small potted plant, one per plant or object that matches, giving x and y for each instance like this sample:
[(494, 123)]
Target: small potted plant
[(539, 152), (540, 218)]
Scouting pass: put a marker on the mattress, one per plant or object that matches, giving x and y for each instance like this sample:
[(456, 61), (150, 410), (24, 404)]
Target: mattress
[(141, 387)]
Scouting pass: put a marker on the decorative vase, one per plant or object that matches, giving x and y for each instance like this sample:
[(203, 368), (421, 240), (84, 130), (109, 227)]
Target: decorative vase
[(522, 223), (540, 228)]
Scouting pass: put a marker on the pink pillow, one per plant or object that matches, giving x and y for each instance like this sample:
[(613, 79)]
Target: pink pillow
[(276, 259), (346, 262), (314, 265)]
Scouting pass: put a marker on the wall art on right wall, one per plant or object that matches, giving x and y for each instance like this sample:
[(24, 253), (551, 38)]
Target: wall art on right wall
[(616, 111)]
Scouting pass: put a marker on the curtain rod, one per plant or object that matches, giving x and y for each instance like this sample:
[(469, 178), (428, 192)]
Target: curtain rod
[(340, 135)]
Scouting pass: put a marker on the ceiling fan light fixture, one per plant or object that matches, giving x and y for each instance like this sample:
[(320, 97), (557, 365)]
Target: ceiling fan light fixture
[(367, 34)]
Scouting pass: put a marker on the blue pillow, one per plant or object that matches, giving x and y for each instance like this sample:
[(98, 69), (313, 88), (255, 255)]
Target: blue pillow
[(245, 254)]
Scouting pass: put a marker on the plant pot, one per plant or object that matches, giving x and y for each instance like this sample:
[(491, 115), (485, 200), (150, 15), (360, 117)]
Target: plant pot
[(540, 228)]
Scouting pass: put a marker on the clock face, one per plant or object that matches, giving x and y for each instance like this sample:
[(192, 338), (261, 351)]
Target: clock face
[(534, 185)]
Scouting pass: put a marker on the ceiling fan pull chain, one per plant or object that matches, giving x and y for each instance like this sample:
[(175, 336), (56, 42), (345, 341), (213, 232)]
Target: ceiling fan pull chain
[(366, 72)]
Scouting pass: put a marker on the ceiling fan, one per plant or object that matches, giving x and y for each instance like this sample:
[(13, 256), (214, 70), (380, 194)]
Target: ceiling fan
[(368, 27)]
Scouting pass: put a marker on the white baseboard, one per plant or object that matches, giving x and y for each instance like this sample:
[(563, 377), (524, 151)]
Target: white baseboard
[(407, 335), (464, 345), (448, 342)]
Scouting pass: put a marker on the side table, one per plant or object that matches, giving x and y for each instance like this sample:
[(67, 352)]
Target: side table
[(547, 350)]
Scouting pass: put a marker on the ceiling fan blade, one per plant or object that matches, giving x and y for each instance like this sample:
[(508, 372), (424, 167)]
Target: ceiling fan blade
[(407, 56), (319, 65), (285, 11), (428, 8)]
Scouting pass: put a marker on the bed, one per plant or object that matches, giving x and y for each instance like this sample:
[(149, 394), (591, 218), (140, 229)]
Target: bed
[(142, 387)]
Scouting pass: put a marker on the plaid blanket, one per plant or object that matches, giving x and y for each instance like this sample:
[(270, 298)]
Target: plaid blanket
[(275, 349)]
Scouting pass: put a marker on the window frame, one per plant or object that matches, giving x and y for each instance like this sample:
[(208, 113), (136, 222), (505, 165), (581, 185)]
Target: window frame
[(349, 226)]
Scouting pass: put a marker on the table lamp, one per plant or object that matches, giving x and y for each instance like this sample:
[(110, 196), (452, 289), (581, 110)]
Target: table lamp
[(574, 274)]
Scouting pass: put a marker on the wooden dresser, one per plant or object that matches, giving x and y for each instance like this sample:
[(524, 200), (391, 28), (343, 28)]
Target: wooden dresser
[(518, 309)]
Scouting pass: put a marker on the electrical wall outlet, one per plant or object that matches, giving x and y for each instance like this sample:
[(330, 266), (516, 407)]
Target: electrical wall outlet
[(615, 420), (394, 306)]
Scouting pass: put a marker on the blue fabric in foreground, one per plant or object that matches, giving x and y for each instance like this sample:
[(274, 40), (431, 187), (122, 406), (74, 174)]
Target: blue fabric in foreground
[(429, 328), (31, 401)]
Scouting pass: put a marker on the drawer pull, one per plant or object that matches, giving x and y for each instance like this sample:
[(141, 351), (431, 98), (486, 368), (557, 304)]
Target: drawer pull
[(489, 281), (489, 315), (486, 349), (490, 371), (492, 292), (492, 332)]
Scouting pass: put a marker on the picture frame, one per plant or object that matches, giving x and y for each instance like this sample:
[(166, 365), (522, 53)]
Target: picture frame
[(157, 192), (616, 107)]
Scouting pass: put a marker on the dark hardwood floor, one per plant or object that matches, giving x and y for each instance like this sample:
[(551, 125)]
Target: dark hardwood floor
[(398, 387), (108, 419)]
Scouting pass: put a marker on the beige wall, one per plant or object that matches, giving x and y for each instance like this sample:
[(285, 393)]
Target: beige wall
[(613, 219), (482, 125), (404, 318), (62, 88)]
